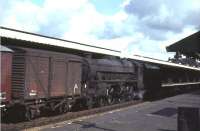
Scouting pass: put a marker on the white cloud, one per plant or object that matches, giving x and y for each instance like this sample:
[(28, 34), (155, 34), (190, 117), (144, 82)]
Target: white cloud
[(164, 15), (84, 25), (20, 15), (174, 37), (121, 43), (140, 27), (162, 23), (64, 5)]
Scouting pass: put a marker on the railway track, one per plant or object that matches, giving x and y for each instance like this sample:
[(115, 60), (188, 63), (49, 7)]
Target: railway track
[(63, 117)]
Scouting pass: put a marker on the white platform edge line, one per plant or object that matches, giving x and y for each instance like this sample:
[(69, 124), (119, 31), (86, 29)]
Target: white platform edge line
[(162, 62), (179, 84)]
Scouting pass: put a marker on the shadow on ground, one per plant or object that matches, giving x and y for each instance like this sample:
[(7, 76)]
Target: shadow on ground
[(87, 125), (165, 130)]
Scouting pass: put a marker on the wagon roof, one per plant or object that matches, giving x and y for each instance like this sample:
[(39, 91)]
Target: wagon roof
[(5, 49)]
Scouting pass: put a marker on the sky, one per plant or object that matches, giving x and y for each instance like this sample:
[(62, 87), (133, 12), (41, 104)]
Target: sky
[(135, 27)]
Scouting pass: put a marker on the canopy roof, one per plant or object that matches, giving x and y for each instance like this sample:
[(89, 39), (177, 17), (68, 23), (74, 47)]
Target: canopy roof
[(38, 40), (189, 46)]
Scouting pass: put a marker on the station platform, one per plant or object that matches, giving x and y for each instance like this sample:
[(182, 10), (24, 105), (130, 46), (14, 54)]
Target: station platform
[(158, 115)]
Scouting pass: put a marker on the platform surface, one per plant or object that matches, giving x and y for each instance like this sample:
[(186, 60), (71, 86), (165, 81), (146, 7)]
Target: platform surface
[(159, 115)]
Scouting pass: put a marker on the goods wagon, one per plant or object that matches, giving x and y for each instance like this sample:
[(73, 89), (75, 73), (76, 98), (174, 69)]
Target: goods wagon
[(43, 79)]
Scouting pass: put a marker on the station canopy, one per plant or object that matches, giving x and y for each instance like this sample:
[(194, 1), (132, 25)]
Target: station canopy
[(189, 46)]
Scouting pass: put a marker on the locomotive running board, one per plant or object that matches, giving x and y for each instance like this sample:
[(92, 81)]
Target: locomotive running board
[(181, 84)]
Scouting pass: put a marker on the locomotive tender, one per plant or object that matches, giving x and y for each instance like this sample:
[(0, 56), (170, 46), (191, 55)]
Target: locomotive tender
[(40, 73)]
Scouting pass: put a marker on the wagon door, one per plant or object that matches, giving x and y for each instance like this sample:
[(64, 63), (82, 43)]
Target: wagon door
[(37, 75), (74, 78), (59, 77)]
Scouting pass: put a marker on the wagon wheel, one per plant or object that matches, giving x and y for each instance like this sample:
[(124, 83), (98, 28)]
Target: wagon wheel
[(130, 95), (60, 109), (29, 115), (120, 100), (110, 99), (90, 103), (66, 107), (101, 102)]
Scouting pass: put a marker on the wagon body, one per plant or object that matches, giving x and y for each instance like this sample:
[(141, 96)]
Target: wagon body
[(39, 74)]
